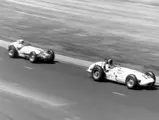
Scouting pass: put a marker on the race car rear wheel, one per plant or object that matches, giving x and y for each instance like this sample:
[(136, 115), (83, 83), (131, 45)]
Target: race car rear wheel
[(98, 73), (32, 57), (131, 82), (51, 52), (12, 52)]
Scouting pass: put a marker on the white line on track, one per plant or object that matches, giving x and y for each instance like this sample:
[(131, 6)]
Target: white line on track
[(28, 67), (43, 101), (25, 94), (117, 93)]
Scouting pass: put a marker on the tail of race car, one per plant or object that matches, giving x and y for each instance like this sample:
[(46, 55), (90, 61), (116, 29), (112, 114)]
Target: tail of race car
[(90, 67), (101, 63)]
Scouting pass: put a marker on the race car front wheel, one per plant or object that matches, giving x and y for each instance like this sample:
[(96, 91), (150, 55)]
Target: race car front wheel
[(32, 57), (12, 52), (98, 73), (152, 75), (131, 82)]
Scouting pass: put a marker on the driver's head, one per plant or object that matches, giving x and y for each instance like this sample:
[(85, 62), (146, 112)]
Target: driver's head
[(110, 62), (106, 60), (21, 41)]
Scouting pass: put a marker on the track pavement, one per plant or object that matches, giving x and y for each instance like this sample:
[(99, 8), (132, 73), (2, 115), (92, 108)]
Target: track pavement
[(70, 60), (69, 93)]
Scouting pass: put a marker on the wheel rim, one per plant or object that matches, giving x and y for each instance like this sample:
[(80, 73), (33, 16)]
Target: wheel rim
[(32, 57), (130, 83), (96, 74), (11, 52)]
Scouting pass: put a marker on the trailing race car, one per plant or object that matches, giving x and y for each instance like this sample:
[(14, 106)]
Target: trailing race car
[(26, 50), (132, 78)]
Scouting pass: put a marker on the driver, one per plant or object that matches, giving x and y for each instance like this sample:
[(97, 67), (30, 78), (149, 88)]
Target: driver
[(108, 64), (21, 43)]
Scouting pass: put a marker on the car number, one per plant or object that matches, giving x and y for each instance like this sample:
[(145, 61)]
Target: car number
[(111, 76), (119, 71)]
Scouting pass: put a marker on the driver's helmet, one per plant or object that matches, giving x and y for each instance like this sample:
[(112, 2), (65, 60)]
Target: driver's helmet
[(21, 41), (110, 62), (106, 60)]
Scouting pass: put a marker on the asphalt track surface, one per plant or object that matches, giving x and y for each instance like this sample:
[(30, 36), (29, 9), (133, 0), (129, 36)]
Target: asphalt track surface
[(69, 94)]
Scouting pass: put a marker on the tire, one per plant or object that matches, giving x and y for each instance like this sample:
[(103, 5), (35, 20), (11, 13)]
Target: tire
[(12, 52), (98, 74), (131, 82), (152, 75), (51, 52), (32, 57)]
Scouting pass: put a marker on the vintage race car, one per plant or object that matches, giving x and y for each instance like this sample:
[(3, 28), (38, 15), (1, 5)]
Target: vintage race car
[(131, 78), (33, 54)]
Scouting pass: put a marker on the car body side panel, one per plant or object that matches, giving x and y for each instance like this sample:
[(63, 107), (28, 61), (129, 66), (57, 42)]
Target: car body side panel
[(111, 75), (119, 74), (29, 49)]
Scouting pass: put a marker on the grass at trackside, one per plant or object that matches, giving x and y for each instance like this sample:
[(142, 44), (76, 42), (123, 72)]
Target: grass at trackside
[(113, 30)]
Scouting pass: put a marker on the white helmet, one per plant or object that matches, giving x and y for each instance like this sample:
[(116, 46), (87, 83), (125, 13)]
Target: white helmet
[(20, 41)]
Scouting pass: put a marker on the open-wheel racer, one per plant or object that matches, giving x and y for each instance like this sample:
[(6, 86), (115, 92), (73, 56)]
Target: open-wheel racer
[(22, 49), (107, 70)]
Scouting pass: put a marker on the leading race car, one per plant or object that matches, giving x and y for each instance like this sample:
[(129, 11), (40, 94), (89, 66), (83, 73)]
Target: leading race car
[(22, 49), (131, 78)]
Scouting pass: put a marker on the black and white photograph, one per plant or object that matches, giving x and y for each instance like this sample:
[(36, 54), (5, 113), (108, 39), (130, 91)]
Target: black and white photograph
[(79, 59)]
